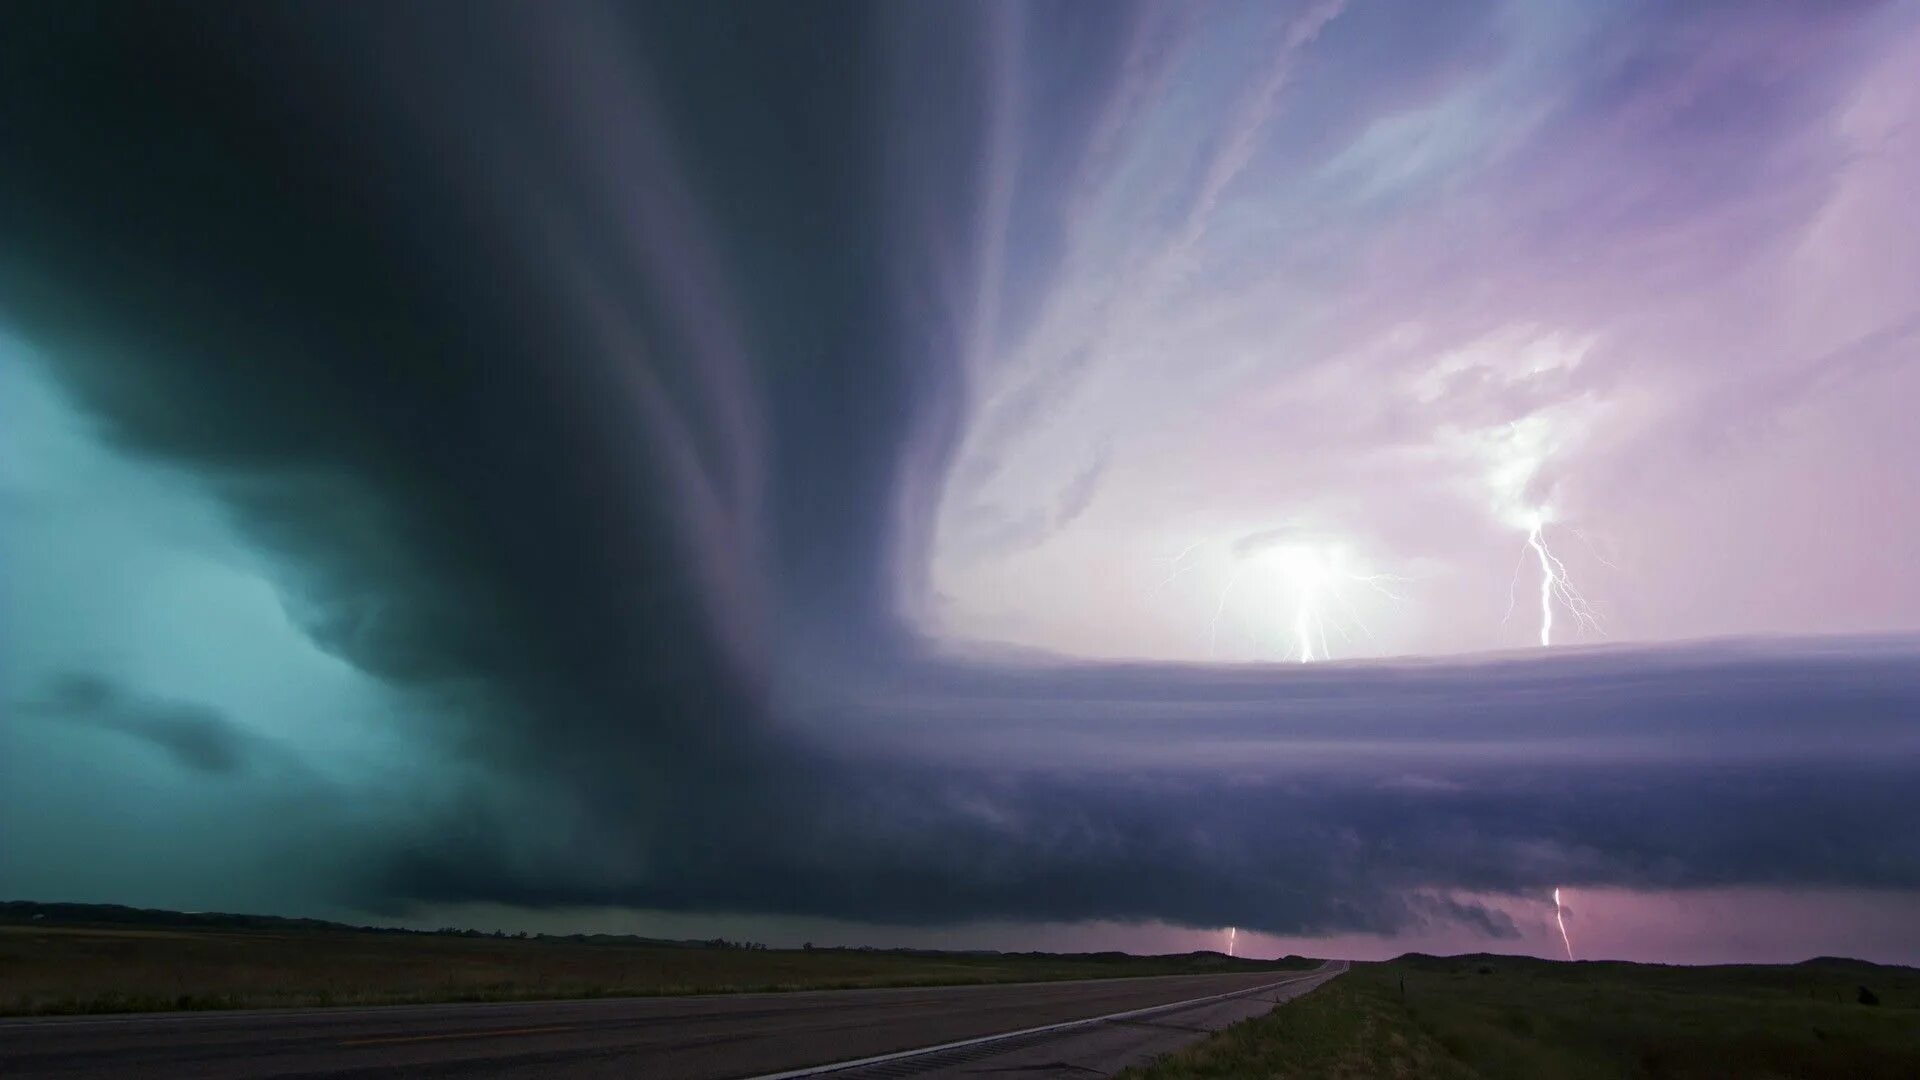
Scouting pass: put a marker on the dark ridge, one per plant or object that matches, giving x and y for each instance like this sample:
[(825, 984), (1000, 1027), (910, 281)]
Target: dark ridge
[(1419, 959), (1848, 962)]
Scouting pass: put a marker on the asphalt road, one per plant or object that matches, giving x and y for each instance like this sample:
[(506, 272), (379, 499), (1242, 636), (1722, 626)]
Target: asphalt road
[(696, 1038)]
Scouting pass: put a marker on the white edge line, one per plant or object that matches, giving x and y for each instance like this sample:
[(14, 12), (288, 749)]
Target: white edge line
[(837, 1066)]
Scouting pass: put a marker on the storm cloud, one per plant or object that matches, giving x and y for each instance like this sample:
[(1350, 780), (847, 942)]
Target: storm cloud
[(195, 736), (681, 433)]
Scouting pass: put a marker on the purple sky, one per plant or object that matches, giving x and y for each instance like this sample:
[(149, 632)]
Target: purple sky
[(1381, 292)]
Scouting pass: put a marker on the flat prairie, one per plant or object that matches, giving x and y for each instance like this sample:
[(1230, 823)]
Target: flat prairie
[(96, 969), (1517, 1018)]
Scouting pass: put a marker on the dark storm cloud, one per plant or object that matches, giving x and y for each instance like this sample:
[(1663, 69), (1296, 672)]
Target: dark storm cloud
[(1783, 699), (1344, 797), (196, 737), (563, 362), (1290, 849), (1329, 797), (258, 266), (425, 297)]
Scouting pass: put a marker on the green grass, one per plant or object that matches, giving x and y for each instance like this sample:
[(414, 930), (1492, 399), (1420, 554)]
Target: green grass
[(95, 969), (1507, 1018)]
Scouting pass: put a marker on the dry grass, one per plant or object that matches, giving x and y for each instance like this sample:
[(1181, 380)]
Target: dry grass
[(1345, 1030), (1503, 1018), (81, 969)]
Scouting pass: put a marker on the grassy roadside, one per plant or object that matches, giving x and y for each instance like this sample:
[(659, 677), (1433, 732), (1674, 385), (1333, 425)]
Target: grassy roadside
[(1351, 1027), (100, 969), (1507, 1018)]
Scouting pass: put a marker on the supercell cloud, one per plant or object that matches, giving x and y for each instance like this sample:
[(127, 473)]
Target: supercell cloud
[(880, 463)]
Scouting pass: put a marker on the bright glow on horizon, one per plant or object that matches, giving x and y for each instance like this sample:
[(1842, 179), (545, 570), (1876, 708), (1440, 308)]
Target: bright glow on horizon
[(1306, 581)]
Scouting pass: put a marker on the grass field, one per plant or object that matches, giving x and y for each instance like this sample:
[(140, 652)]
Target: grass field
[(1508, 1018), (64, 969)]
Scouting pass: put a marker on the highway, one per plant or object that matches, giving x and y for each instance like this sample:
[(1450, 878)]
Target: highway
[(690, 1038)]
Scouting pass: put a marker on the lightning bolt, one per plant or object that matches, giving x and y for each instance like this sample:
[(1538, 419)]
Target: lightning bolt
[(1178, 565), (1594, 549), (1313, 579), (1213, 628), (1232, 932), (1556, 585), (1560, 918), (1317, 577)]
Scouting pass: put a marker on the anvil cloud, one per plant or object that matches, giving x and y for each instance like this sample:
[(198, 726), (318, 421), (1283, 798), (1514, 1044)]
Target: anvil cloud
[(813, 462)]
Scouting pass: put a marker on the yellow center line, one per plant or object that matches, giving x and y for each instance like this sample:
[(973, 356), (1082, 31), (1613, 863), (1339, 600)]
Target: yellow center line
[(459, 1035)]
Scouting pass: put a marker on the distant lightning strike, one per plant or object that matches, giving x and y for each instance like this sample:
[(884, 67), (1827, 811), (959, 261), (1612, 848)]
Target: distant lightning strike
[(1560, 918), (1556, 585), (1232, 933), (1316, 576), (1312, 580)]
